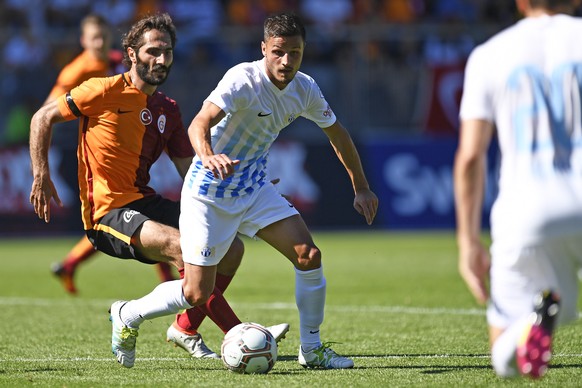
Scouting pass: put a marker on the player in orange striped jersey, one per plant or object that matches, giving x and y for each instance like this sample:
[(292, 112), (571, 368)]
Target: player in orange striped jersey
[(96, 60), (124, 126)]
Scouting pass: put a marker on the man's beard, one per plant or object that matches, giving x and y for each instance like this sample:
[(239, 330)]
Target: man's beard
[(149, 76)]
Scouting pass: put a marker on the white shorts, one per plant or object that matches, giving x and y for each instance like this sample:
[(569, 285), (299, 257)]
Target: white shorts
[(517, 274), (209, 225)]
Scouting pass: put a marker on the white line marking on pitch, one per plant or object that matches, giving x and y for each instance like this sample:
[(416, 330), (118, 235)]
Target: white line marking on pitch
[(105, 303), (44, 302)]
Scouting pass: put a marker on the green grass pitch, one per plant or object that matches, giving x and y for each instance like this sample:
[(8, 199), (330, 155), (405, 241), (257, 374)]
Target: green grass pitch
[(395, 303)]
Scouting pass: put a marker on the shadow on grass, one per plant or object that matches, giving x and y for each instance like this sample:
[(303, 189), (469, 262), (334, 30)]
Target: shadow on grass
[(431, 368), (437, 369), (421, 355)]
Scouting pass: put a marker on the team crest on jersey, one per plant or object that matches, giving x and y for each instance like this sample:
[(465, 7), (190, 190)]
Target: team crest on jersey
[(145, 116), (207, 252), (128, 215), (291, 118), (162, 123), (328, 112)]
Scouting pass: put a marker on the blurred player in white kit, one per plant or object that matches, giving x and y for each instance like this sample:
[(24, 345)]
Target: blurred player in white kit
[(525, 83)]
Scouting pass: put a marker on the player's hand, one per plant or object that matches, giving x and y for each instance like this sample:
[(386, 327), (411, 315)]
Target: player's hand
[(43, 190), (221, 165), (474, 265), (366, 203)]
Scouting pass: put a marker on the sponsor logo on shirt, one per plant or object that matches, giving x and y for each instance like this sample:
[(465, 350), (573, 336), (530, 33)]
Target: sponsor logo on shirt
[(145, 116), (162, 123)]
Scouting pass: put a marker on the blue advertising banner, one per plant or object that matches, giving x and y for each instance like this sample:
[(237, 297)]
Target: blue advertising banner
[(412, 178), (414, 181)]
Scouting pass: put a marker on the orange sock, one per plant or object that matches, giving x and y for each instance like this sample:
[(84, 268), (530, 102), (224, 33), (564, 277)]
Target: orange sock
[(165, 272), (78, 254)]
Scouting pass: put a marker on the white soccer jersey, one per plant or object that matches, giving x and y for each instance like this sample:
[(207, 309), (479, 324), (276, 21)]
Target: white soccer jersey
[(256, 111), (532, 93)]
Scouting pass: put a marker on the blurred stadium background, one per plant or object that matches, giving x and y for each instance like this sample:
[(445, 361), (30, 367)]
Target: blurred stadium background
[(392, 71)]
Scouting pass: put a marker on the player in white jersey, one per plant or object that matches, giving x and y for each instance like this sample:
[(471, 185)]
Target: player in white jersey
[(525, 83), (226, 191)]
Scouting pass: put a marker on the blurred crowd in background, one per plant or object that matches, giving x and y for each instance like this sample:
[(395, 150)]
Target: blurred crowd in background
[(377, 61)]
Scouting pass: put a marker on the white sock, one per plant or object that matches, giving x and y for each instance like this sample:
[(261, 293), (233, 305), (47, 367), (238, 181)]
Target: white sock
[(504, 349), (310, 299), (167, 298)]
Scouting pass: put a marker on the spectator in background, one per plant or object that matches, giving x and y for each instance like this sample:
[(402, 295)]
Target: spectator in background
[(145, 7), (253, 12), (327, 16), (23, 55), (199, 22), (24, 51), (400, 11), (18, 122), (119, 13), (96, 60), (364, 12), (327, 19), (241, 12), (64, 15), (28, 13), (454, 10)]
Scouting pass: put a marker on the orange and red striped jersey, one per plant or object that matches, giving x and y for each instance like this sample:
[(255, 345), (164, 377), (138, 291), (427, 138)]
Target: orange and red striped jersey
[(122, 132)]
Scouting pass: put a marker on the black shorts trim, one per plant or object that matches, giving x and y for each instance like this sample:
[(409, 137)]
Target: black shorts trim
[(112, 234)]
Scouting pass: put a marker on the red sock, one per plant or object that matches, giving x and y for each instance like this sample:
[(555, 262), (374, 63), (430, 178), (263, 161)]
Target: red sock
[(221, 314), (165, 272), (218, 309), (222, 281), (79, 253)]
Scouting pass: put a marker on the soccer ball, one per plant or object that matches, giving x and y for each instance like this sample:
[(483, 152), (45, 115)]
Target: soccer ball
[(249, 348)]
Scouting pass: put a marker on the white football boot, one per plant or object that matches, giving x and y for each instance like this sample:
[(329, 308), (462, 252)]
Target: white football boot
[(193, 344), (278, 331), (122, 337)]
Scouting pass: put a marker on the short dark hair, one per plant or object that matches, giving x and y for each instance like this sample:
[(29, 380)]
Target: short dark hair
[(134, 38), (283, 24)]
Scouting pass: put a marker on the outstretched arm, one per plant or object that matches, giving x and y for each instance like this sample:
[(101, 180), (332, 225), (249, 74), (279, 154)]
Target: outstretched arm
[(469, 181), (43, 189), (365, 201), (199, 133)]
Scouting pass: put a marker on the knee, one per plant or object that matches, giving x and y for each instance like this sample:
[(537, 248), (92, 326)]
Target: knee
[(195, 295), (231, 261), (173, 251), (308, 257)]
